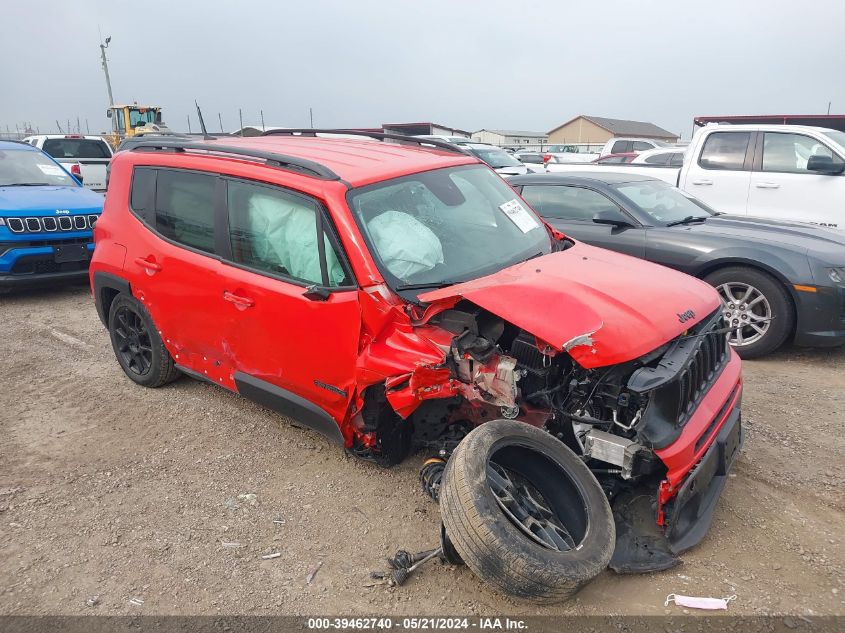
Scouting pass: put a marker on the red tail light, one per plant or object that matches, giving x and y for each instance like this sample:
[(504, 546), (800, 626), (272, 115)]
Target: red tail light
[(547, 158), (75, 169)]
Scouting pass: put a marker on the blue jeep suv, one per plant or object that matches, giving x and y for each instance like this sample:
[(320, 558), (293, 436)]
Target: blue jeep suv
[(46, 217)]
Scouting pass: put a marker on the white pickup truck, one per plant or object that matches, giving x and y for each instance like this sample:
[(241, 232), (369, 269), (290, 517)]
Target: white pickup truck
[(91, 153), (784, 172)]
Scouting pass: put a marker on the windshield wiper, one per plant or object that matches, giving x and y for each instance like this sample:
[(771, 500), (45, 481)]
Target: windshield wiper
[(433, 285), (688, 220), (26, 184)]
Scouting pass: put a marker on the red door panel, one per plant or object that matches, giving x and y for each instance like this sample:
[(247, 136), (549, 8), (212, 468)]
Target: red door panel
[(275, 334)]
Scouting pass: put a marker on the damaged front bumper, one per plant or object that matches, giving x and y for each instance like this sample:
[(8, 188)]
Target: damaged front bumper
[(651, 530)]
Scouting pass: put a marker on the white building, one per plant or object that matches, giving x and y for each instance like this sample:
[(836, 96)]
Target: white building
[(510, 138)]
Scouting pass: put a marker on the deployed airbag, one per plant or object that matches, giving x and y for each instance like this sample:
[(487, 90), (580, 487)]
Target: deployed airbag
[(406, 245), (285, 234)]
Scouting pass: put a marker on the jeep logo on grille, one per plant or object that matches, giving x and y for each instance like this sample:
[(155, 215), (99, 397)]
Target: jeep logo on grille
[(62, 211), (683, 317)]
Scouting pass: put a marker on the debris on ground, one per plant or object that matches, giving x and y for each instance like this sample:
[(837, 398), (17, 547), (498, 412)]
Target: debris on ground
[(249, 498), (279, 520), (403, 563), (137, 602), (92, 601), (694, 602), (231, 544), (270, 556), (231, 504), (310, 577)]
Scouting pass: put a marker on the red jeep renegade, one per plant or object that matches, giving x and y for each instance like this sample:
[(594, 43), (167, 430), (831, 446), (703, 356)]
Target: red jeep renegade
[(396, 295)]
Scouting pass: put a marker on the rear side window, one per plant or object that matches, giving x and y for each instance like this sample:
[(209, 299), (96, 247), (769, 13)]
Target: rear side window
[(275, 231), (566, 203), (534, 159), (142, 196), (725, 150), (76, 148), (184, 208), (640, 146), (659, 159), (676, 159), (621, 147)]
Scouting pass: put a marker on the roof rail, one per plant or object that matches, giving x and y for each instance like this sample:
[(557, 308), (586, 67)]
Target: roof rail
[(381, 136), (272, 159)]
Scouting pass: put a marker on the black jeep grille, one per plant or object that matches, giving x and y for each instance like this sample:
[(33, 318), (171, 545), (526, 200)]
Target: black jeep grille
[(704, 366), (677, 382)]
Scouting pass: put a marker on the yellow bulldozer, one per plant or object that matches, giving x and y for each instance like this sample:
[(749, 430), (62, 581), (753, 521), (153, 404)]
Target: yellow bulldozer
[(134, 120)]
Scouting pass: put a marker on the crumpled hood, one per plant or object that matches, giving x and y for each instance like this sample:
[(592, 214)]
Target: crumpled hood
[(601, 307), (47, 200)]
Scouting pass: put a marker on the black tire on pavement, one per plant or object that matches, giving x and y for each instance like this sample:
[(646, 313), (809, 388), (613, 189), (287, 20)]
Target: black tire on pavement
[(779, 303), (137, 344), (500, 549)]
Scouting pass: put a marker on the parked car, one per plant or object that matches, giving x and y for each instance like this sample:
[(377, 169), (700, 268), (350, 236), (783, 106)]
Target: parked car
[(781, 172), (615, 159), (46, 217), (532, 160), (570, 153), (662, 157), (778, 280), (636, 145), (91, 153), (454, 140), (449, 303), (502, 162)]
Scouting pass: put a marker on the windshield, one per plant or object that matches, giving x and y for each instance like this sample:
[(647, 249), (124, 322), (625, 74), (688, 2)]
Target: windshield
[(28, 168), (141, 117), (445, 226), (663, 202), (495, 157), (837, 137)]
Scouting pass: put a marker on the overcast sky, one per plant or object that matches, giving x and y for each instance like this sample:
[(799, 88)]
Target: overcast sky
[(470, 64)]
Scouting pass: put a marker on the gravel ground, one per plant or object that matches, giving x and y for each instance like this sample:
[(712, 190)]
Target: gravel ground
[(131, 495)]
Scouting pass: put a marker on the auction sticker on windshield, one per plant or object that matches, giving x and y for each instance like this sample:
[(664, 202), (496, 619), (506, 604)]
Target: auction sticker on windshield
[(519, 215), (51, 170)]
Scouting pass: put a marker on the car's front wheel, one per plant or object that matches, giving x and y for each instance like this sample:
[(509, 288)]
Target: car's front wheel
[(524, 512), (756, 306), (137, 344)]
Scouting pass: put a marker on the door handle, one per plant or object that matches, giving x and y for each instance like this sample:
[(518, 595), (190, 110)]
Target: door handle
[(241, 303), (767, 185), (151, 267), (702, 182)]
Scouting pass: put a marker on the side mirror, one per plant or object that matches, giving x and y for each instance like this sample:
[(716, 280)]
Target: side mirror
[(317, 293), (612, 217), (108, 113), (825, 165)]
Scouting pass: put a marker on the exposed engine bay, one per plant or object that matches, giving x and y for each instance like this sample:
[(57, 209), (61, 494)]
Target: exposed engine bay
[(613, 417)]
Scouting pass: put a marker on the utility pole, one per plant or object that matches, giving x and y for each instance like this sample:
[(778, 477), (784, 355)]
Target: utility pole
[(828, 107), (78, 127), (262, 121), (189, 123), (311, 117), (87, 129), (57, 125), (241, 117), (103, 48), (220, 119)]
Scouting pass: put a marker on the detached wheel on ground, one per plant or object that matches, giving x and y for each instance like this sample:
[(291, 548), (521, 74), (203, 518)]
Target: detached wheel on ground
[(757, 305), (525, 513), (137, 345)]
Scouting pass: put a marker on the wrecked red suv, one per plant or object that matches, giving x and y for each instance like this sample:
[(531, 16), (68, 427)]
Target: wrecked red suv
[(397, 295)]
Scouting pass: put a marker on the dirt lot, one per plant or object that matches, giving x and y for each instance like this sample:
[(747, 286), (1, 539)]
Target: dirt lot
[(111, 490)]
